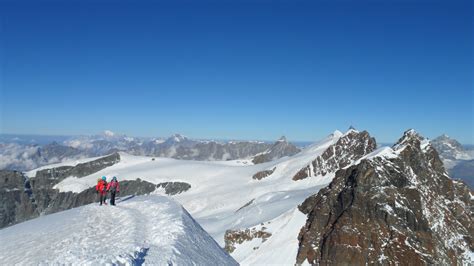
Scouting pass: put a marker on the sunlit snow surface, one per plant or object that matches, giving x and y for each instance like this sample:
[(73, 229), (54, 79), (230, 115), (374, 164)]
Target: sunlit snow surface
[(149, 229), (219, 190)]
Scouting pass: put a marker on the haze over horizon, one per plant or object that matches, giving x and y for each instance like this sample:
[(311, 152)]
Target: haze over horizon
[(227, 70)]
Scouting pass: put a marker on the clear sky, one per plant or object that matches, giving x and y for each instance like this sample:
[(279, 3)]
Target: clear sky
[(237, 69)]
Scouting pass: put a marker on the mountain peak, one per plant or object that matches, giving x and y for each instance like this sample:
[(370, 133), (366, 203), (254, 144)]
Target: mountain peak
[(282, 139), (449, 148), (410, 132), (108, 133), (410, 137), (406, 200), (177, 137), (336, 134), (444, 136)]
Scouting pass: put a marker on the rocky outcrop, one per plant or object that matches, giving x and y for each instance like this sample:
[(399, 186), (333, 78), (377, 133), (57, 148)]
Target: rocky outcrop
[(280, 148), (16, 203), (21, 201), (174, 188), (60, 201), (262, 174), (349, 148), (47, 178), (245, 205), (235, 237), (394, 207)]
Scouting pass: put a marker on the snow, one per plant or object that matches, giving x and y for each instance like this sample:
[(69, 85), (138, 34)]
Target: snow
[(282, 247), (109, 133), (151, 229), (382, 152), (219, 190)]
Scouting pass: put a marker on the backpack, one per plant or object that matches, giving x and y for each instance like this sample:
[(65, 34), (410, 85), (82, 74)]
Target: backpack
[(104, 187), (113, 186)]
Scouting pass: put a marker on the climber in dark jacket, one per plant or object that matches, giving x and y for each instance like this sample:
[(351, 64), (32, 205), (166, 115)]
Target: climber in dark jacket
[(114, 188)]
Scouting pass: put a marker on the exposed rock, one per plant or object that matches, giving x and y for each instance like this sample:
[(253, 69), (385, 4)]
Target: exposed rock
[(398, 206), (173, 188), (350, 147), (262, 174), (280, 148), (88, 168), (66, 200), (245, 205), (20, 202), (16, 204), (47, 178), (233, 237)]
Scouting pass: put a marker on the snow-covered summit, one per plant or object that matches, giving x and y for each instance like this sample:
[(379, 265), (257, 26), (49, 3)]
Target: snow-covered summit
[(149, 229), (450, 148), (108, 133), (177, 138)]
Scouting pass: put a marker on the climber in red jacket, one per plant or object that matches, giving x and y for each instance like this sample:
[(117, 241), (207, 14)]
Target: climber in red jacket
[(101, 189)]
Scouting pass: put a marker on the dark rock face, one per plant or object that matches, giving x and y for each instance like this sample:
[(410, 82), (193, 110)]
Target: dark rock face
[(20, 202), (47, 178), (262, 174), (395, 208), (233, 237), (67, 200), (280, 149), (16, 203), (173, 188), (350, 147), (88, 168)]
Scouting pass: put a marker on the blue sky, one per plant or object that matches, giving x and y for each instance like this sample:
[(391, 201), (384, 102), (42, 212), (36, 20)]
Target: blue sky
[(243, 70)]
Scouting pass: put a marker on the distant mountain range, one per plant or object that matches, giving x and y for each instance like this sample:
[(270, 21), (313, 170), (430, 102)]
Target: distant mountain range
[(457, 159), (29, 152), (340, 201), (26, 152)]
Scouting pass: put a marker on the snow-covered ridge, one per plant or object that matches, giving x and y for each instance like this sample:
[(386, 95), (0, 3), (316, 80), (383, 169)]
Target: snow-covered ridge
[(220, 188), (224, 196), (148, 229)]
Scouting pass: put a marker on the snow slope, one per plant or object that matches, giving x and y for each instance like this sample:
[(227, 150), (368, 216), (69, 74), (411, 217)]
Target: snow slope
[(220, 190), (151, 229)]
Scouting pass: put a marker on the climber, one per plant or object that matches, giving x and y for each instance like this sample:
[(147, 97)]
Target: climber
[(114, 188), (101, 189)]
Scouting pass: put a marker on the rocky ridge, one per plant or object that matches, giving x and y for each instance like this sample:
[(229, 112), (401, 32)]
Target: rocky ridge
[(395, 205)]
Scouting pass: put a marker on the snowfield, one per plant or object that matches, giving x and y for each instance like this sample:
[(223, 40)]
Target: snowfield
[(150, 229), (224, 196)]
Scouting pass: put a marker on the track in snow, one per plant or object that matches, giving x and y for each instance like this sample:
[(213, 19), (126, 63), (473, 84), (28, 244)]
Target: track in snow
[(149, 229)]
